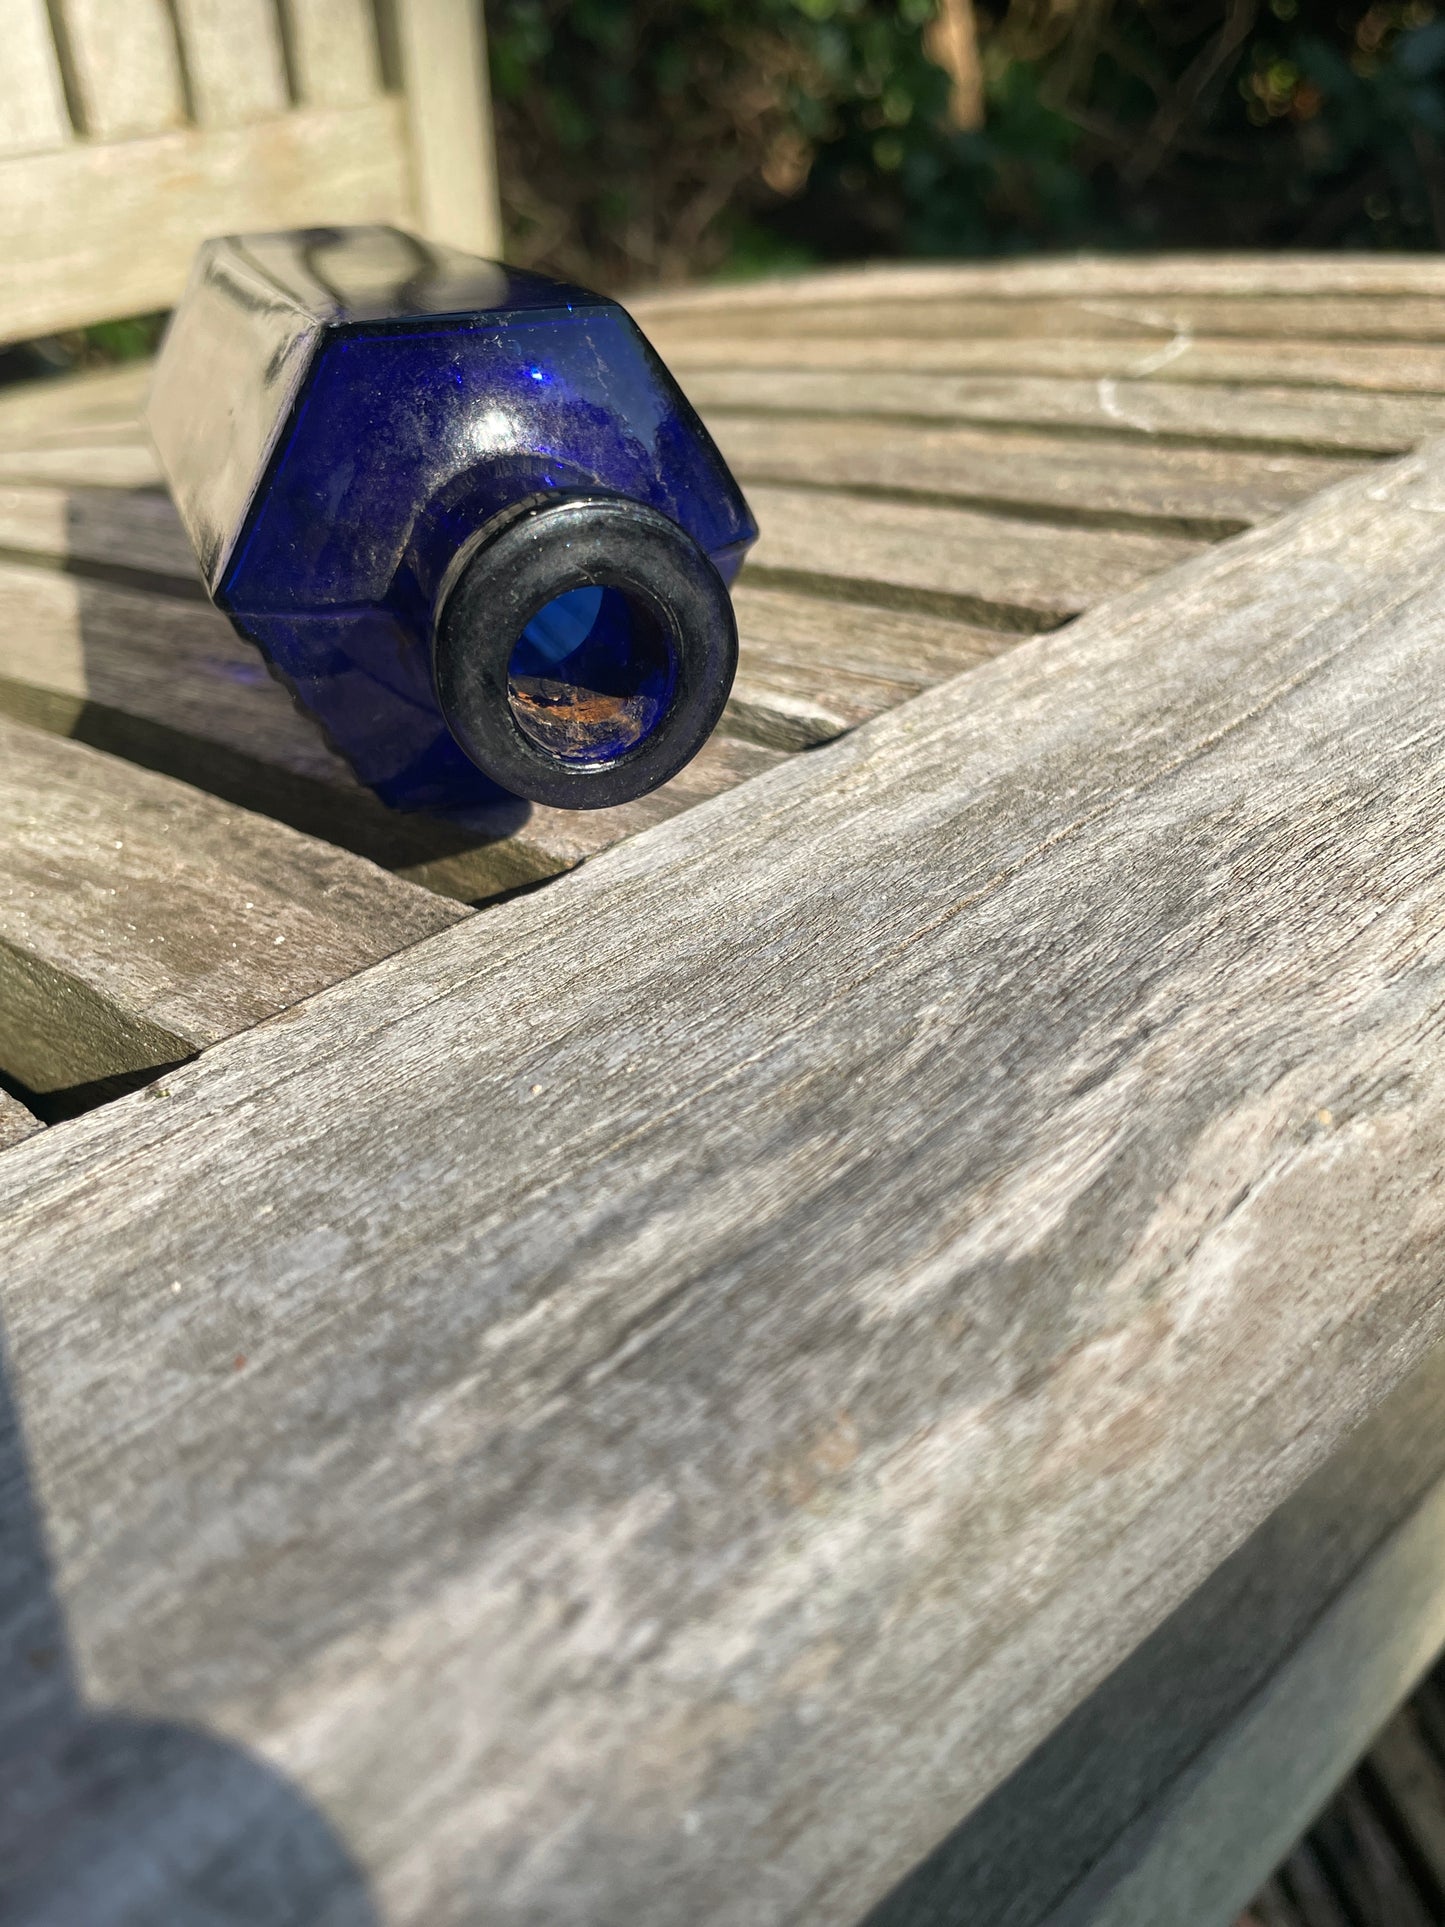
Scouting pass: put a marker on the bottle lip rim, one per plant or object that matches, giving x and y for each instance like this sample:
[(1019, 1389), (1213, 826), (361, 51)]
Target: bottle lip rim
[(522, 559)]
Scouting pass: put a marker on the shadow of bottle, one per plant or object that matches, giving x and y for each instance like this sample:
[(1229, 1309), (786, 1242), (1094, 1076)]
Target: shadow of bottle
[(170, 689), (112, 1821)]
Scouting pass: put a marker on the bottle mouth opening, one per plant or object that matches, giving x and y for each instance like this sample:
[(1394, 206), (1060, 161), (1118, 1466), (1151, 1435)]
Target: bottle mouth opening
[(583, 650), (592, 676)]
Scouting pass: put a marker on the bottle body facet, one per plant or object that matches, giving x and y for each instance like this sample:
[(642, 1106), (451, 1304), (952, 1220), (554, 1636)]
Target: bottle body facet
[(389, 405)]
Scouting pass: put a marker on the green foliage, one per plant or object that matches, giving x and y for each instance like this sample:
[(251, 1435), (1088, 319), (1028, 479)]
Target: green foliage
[(644, 141), (651, 138)]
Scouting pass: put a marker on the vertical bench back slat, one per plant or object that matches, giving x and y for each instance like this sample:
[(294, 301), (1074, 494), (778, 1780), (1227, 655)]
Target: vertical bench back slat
[(334, 57), (32, 100), (234, 61), (442, 48), (124, 67), (131, 129)]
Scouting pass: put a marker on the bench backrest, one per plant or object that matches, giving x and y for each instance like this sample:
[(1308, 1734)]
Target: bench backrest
[(131, 129)]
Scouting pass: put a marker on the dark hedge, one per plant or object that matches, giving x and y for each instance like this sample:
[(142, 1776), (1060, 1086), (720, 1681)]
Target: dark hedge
[(645, 142)]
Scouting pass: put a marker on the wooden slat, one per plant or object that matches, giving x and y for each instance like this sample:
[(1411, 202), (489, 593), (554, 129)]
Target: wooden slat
[(126, 80), (1384, 368), (32, 102), (137, 531), (15, 1121), (141, 920), (1074, 278), (1016, 575), (1205, 492), (609, 1433), (82, 431), (168, 683), (444, 74), (1306, 420), (1118, 1772), (108, 400), (234, 65), (101, 462), (994, 569), (133, 212), (1208, 488), (179, 664), (333, 51), (1195, 1859), (1149, 322), (989, 557), (811, 667)]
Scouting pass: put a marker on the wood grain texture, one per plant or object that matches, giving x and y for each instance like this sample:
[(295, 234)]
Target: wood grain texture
[(133, 212), (810, 667), (175, 663), (46, 413), (235, 71), (125, 74), (15, 1121), (1322, 316), (104, 461), (1205, 492), (166, 682), (135, 532), (744, 1340), (1273, 419), (1375, 367), (32, 101), (998, 570), (1072, 278), (140, 920), (1122, 1765)]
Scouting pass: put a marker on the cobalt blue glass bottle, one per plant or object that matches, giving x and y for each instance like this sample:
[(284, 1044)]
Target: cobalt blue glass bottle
[(464, 511)]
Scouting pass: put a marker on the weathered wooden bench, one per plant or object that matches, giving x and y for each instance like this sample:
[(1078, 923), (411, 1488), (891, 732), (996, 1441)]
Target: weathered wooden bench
[(873, 1350)]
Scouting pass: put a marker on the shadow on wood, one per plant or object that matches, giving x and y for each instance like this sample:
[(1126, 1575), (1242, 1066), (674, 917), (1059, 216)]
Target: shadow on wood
[(108, 1817)]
